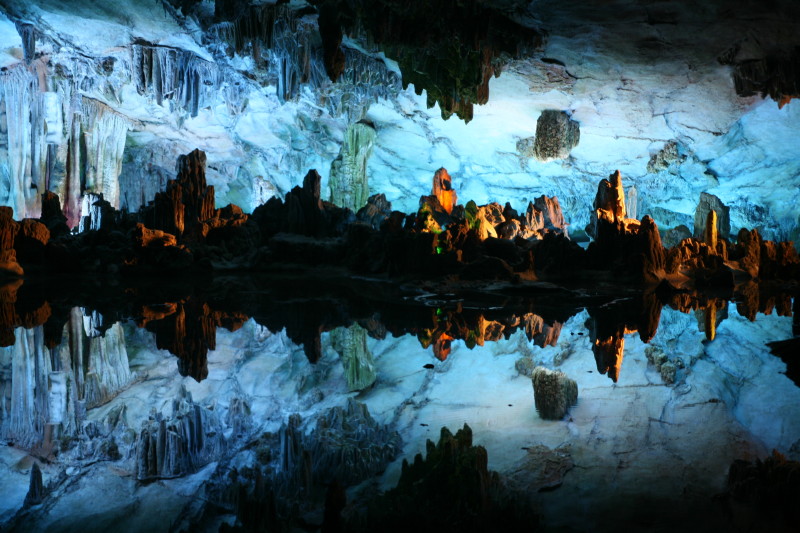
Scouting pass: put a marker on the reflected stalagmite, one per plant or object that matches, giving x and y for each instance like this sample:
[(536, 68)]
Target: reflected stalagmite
[(608, 353)]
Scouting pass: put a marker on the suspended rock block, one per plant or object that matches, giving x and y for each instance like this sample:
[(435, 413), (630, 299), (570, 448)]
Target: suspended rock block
[(553, 392), (556, 135)]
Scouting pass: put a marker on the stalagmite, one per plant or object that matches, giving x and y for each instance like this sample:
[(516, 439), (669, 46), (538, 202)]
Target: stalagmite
[(443, 190), (348, 179), (36, 489), (708, 203), (710, 236)]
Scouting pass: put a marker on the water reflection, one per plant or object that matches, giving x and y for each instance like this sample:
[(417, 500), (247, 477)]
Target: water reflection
[(184, 319), (381, 370)]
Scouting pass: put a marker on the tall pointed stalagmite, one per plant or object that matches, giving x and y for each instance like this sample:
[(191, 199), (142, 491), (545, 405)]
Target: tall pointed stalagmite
[(36, 489), (711, 232)]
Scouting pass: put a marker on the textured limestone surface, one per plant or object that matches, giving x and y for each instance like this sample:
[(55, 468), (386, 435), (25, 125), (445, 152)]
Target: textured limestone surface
[(642, 81), (644, 438)]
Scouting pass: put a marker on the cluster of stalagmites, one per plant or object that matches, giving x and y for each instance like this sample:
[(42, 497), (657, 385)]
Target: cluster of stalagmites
[(182, 231), (451, 489), (299, 472)]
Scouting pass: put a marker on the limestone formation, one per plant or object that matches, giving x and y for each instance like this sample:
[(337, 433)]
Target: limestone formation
[(36, 490), (608, 353), (348, 178), (8, 233), (186, 202), (711, 232), (359, 366), (453, 67), (709, 202), (180, 444), (347, 445), (772, 72), (664, 158), (443, 190), (451, 489), (553, 392), (556, 135), (96, 213)]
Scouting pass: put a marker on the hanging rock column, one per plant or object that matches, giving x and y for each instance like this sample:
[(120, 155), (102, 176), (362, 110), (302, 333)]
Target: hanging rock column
[(348, 178)]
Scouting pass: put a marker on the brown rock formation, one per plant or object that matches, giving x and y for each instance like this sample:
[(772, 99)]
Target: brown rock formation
[(608, 353), (52, 216), (8, 233), (443, 190), (187, 200), (776, 73), (31, 241)]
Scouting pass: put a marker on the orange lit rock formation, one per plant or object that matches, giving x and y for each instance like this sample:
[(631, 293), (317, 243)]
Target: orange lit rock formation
[(443, 190)]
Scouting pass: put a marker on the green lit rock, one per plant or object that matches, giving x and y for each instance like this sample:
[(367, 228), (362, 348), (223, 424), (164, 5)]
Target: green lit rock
[(359, 366), (348, 178)]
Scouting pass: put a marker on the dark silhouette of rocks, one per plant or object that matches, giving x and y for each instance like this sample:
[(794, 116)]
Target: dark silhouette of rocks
[(451, 489), (768, 489), (181, 232), (36, 490)]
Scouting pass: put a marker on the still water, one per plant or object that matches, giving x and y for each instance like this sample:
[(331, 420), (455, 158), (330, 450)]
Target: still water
[(167, 408)]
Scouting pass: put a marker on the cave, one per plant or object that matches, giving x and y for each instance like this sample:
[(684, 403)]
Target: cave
[(392, 265)]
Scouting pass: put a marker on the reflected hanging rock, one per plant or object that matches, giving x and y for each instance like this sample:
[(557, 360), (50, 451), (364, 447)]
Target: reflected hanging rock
[(553, 392), (359, 366)]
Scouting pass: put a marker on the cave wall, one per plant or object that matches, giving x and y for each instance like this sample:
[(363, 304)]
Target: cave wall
[(109, 97)]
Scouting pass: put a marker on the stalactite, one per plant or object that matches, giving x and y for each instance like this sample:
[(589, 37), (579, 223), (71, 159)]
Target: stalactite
[(348, 179), (20, 95), (105, 132), (27, 32), (365, 80), (178, 75)]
